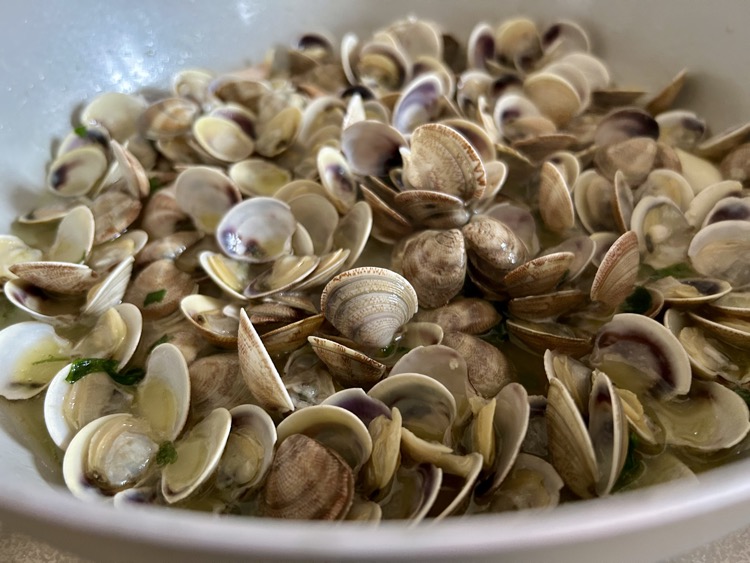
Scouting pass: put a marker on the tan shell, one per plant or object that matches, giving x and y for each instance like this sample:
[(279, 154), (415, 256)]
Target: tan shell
[(208, 316), (555, 201), (618, 271), (369, 304), (307, 481), (488, 369), (434, 262), (470, 315), (348, 367), (444, 161), (159, 288), (259, 371), (538, 275), (292, 336)]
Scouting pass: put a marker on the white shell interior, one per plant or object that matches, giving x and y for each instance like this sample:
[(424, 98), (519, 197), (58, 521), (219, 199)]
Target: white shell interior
[(57, 55)]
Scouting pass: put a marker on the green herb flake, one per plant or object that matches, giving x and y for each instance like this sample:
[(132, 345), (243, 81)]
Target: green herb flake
[(744, 393), (154, 297), (81, 131), (166, 455), (130, 376), (155, 184), (164, 338), (677, 271), (85, 366), (640, 301), (51, 360), (633, 464)]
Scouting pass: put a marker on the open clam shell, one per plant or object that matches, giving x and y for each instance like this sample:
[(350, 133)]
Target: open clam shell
[(307, 480), (641, 355), (348, 367), (110, 454), (33, 354), (249, 449), (163, 396), (208, 316), (206, 195), (256, 230), (336, 428), (198, 454), (427, 407), (258, 369)]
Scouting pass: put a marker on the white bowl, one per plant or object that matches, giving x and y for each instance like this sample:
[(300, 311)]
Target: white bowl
[(56, 54)]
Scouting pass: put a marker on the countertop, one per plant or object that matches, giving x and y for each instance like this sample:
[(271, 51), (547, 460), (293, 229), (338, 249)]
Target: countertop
[(18, 548)]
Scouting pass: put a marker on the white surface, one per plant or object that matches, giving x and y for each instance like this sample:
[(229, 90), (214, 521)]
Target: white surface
[(56, 54)]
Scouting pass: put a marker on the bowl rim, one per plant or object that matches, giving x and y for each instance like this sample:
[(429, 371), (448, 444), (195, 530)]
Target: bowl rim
[(590, 521)]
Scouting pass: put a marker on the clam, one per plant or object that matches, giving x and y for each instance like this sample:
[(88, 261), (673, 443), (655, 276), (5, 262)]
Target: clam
[(259, 177), (368, 305), (442, 160), (719, 417), (641, 355), (371, 147), (348, 367), (509, 424), (307, 481), (108, 455), (13, 250), (249, 450), (205, 195), (719, 249), (259, 371), (222, 138), (75, 173), (256, 230), (337, 179), (663, 231), (292, 336), (468, 315), (617, 272), (208, 316), (168, 118), (427, 407), (434, 262), (531, 483), (117, 113), (34, 353), (215, 381), (488, 369), (336, 428), (198, 454), (159, 288)]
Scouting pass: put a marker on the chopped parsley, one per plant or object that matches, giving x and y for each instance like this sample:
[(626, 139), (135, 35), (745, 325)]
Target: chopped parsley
[(81, 131), (154, 297), (164, 338), (155, 184), (681, 270), (166, 455), (633, 465), (84, 366), (50, 360), (744, 393), (639, 301)]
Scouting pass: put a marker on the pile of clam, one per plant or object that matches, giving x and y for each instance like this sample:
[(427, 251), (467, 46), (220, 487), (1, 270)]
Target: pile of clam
[(399, 277)]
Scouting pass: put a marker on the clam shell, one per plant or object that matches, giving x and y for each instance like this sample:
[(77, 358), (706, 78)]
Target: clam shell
[(259, 371), (641, 355), (208, 316), (719, 251), (222, 138), (205, 195), (570, 445), (56, 277), (256, 230), (372, 148), (215, 381), (468, 315), (442, 160), (163, 396), (348, 367), (307, 481), (488, 369), (119, 447), (159, 288), (292, 336), (616, 275), (198, 454), (33, 354), (427, 407), (434, 262), (74, 237), (335, 428), (369, 304), (249, 450)]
